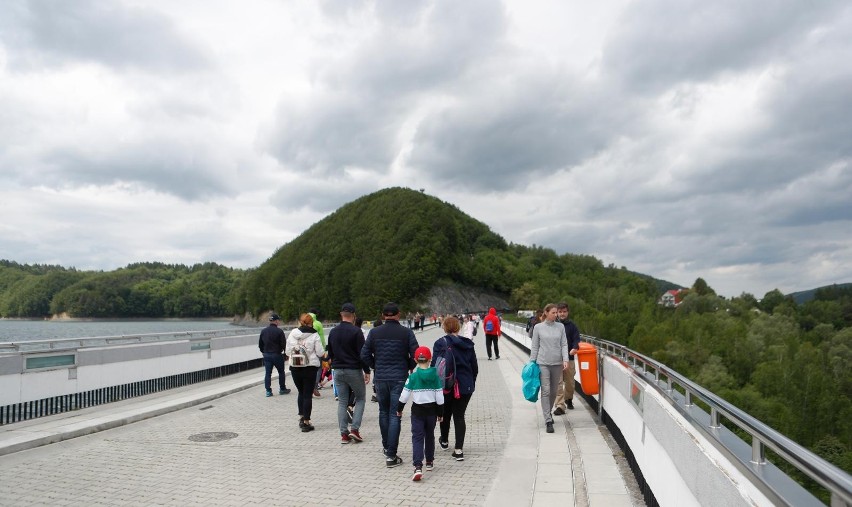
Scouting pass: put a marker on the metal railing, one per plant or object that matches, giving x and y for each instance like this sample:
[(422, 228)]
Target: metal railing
[(749, 458), (27, 410), (100, 341)]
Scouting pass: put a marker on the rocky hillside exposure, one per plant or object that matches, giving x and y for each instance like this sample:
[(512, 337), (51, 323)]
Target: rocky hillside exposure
[(444, 299)]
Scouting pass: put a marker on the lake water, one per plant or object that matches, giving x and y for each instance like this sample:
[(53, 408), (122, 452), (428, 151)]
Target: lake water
[(26, 330)]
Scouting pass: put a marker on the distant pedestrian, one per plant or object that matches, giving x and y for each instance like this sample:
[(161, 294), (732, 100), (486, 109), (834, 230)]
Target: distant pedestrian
[(461, 362), (271, 344), (491, 328), (389, 351), (565, 395), (549, 349), (532, 321), (321, 332), (305, 350), (467, 328), (350, 373), (425, 390)]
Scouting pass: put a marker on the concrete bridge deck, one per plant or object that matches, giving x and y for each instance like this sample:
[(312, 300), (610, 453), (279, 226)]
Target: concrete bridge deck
[(509, 459)]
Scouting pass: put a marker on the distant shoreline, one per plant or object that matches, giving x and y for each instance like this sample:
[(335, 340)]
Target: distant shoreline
[(118, 319)]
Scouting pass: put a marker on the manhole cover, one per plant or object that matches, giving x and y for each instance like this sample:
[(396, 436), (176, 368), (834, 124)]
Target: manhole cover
[(213, 436)]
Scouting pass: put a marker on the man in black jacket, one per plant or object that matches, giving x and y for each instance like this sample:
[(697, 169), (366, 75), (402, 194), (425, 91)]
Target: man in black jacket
[(271, 344), (389, 350), (350, 374), (565, 394)]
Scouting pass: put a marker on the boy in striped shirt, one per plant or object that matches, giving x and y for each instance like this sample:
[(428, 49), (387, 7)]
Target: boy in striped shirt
[(425, 390)]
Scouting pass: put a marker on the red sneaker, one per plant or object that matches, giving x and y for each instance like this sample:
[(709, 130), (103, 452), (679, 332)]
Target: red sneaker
[(354, 435), (344, 438)]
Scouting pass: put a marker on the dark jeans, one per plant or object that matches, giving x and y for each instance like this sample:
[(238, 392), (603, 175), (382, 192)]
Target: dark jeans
[(388, 392), (305, 379), (489, 339), (454, 409), (423, 438), (271, 359)]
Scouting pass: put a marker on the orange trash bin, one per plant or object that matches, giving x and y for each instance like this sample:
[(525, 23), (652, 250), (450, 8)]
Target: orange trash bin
[(587, 362)]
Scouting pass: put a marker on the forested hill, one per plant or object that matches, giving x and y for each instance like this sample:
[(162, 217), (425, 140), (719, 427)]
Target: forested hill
[(396, 244), (141, 290), (827, 292)]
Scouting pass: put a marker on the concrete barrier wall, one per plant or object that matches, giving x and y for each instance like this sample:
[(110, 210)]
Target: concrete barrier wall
[(678, 463), (98, 367)]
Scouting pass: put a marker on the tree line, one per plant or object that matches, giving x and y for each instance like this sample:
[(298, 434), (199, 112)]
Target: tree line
[(141, 290)]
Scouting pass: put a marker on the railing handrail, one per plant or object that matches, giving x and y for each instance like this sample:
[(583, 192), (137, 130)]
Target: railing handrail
[(89, 341), (835, 480)]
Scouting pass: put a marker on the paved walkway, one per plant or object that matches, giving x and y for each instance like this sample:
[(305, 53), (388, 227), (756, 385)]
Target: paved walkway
[(101, 459)]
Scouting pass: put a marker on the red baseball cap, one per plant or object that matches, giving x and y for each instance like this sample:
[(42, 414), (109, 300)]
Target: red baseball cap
[(423, 354)]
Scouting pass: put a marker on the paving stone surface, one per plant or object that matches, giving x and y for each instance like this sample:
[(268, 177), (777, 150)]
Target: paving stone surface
[(271, 461)]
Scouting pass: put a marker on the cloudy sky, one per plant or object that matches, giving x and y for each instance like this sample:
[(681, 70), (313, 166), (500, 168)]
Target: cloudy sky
[(678, 138)]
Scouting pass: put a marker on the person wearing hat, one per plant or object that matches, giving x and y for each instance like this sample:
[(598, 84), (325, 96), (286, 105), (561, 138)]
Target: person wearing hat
[(271, 344), (426, 391), (350, 374), (389, 351)]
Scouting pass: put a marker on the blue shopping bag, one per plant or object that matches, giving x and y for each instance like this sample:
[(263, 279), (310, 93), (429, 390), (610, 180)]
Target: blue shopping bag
[(530, 376)]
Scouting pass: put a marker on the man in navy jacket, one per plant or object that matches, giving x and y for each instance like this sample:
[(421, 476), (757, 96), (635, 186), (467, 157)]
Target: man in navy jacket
[(565, 394), (389, 351)]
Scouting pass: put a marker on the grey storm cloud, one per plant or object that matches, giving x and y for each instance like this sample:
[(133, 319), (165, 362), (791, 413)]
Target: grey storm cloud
[(49, 32), (660, 42), (321, 195), (158, 164), (515, 135), (363, 99)]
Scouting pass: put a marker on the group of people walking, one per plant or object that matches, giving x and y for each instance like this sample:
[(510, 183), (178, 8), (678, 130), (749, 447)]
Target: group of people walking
[(402, 371), (439, 382)]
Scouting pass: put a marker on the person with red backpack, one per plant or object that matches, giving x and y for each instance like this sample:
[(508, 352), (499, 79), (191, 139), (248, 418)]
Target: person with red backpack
[(491, 327), (460, 370)]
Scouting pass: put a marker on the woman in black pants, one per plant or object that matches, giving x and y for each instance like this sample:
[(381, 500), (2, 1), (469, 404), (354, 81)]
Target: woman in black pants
[(460, 358), (305, 349)]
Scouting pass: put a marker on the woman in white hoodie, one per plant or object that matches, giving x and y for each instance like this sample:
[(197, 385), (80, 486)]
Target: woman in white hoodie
[(550, 350), (467, 328), (305, 350)]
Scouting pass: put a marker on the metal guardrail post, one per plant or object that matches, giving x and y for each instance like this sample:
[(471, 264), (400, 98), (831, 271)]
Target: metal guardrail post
[(714, 418), (758, 453)]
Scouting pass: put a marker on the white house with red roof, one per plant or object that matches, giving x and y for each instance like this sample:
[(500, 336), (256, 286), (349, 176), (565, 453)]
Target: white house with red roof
[(671, 298)]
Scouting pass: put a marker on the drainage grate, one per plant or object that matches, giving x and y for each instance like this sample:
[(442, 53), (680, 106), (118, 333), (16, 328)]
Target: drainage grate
[(213, 436)]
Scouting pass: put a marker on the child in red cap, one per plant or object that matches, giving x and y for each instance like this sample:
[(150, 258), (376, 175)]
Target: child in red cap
[(426, 392)]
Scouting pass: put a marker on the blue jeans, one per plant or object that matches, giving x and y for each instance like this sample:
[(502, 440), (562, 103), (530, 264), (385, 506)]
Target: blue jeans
[(388, 391), (346, 381), (423, 438), (271, 359)]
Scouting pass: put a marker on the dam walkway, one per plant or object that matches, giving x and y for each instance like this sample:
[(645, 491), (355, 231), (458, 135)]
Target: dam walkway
[(222, 442)]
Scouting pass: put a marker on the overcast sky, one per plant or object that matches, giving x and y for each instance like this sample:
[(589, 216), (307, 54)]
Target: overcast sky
[(679, 138)]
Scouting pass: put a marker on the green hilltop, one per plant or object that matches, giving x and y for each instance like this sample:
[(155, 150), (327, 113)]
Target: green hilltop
[(397, 244)]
